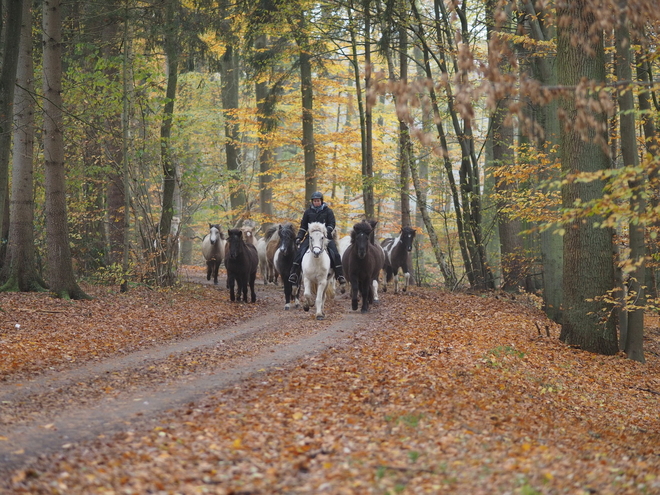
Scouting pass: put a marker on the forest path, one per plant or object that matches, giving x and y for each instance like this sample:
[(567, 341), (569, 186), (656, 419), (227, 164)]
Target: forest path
[(59, 409)]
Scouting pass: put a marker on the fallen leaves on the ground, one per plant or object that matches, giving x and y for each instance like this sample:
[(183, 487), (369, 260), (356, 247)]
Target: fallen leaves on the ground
[(439, 393)]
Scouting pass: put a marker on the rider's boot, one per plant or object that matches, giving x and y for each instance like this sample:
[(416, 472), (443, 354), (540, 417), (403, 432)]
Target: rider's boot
[(295, 273)]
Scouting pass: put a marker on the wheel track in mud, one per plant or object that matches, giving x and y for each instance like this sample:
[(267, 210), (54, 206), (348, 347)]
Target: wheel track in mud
[(57, 410)]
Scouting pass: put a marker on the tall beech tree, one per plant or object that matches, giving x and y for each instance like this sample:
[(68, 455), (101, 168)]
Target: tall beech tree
[(588, 318)]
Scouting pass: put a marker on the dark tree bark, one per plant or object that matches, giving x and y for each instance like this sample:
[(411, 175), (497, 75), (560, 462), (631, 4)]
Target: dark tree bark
[(20, 269), (588, 321), (166, 255), (60, 266), (633, 341), (11, 33)]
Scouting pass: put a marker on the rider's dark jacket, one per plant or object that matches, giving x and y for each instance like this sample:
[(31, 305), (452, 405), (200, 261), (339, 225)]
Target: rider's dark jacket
[(321, 214)]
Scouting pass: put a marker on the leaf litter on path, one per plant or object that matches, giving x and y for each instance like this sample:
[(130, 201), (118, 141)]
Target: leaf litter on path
[(436, 392)]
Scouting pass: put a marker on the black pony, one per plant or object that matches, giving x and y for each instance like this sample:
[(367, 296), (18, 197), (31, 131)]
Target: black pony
[(283, 260), (241, 261), (361, 263), (397, 255)]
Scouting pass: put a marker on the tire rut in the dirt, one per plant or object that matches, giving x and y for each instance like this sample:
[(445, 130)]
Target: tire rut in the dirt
[(101, 412)]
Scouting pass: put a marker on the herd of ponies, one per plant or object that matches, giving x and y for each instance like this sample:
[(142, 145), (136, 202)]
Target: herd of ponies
[(272, 255)]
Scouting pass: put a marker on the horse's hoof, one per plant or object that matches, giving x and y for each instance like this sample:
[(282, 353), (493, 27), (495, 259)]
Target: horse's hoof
[(320, 317), (286, 308), (364, 310), (354, 306), (306, 308)]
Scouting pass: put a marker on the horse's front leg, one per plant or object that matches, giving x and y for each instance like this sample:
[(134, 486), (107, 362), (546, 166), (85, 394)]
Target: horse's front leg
[(355, 287), (406, 281), (230, 286), (307, 295), (364, 288), (288, 289), (216, 268), (320, 299), (244, 288), (253, 294)]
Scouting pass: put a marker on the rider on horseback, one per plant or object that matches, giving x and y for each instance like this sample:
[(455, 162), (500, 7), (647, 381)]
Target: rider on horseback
[(317, 212)]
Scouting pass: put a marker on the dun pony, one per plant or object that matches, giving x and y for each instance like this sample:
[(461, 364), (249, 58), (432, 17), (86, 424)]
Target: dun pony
[(213, 249)]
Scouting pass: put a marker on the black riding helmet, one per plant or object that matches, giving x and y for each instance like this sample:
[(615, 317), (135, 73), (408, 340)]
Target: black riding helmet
[(317, 195)]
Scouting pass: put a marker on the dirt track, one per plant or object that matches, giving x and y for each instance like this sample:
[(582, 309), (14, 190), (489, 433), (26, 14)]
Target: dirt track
[(60, 409)]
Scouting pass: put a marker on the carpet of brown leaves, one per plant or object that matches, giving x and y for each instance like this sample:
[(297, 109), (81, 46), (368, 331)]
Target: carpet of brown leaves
[(454, 393)]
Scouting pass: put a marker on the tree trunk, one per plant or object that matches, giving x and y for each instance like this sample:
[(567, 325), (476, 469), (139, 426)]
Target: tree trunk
[(166, 255), (634, 340), (368, 158), (501, 135), (11, 22), (20, 269), (229, 72), (60, 266), (405, 144), (589, 321)]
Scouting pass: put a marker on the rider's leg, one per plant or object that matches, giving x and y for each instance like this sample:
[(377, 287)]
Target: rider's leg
[(295, 268)]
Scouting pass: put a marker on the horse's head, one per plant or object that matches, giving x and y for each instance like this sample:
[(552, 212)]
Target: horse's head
[(361, 237), (234, 242), (287, 239), (317, 238), (248, 234), (215, 234), (407, 236)]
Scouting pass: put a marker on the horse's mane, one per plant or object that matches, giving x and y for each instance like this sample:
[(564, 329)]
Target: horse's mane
[(316, 227), (361, 227)]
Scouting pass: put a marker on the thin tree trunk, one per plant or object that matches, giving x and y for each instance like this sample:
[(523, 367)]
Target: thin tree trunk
[(229, 71), (166, 257), (299, 27), (60, 266), (634, 340), (368, 158), (12, 23)]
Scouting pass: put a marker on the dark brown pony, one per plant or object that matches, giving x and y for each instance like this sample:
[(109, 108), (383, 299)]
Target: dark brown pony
[(283, 261), (361, 263), (241, 262), (397, 256)]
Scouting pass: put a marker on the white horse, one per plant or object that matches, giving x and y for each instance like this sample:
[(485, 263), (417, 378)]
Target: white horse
[(316, 269)]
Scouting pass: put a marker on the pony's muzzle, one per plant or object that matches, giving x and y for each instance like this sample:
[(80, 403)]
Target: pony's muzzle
[(316, 251)]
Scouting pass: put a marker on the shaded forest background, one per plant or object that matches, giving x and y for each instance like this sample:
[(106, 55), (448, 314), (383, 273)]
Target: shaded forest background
[(520, 138)]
